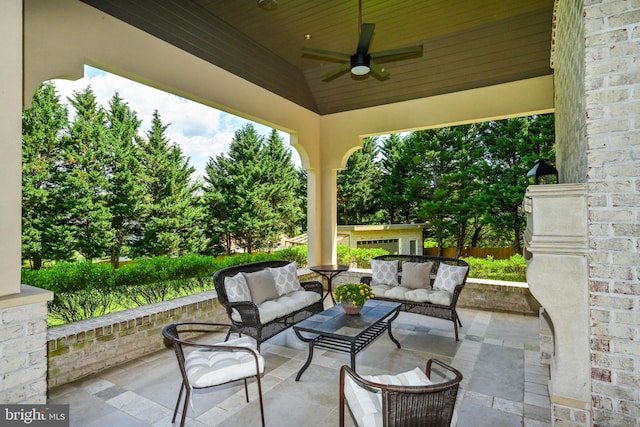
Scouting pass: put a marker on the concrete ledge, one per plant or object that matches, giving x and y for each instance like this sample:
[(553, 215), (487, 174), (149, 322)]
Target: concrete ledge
[(28, 295), (495, 295)]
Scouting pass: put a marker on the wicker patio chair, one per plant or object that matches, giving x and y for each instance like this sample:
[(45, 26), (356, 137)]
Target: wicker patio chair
[(209, 365), (382, 401)]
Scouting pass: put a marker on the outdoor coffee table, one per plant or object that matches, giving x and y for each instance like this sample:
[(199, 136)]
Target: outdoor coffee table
[(334, 330)]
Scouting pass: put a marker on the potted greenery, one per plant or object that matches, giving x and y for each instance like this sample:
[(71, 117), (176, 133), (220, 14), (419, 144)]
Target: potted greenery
[(352, 296)]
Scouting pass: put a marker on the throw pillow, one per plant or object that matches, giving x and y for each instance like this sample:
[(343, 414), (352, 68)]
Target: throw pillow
[(384, 272), (416, 275), (449, 276), (286, 278), (261, 285), (237, 289)]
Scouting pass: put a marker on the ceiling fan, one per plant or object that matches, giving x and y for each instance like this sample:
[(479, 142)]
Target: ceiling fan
[(360, 63)]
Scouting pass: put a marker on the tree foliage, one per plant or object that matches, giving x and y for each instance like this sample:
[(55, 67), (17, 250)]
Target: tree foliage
[(250, 192), (171, 217), (45, 232), (358, 185), (466, 182), (95, 187)]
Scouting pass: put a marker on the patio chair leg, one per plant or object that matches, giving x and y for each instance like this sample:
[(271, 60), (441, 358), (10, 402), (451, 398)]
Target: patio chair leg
[(246, 390), (175, 411), (260, 397), (186, 406)]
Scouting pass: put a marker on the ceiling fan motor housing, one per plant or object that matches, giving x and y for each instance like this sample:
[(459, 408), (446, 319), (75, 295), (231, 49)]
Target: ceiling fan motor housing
[(360, 63)]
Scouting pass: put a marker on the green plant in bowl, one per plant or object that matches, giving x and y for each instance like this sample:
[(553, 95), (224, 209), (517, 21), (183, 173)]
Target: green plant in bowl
[(357, 293)]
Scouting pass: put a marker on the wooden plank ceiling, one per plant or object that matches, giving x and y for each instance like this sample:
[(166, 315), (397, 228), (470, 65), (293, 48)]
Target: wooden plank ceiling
[(466, 44)]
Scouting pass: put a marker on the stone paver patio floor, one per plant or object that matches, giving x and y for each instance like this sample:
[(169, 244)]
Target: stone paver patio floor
[(504, 382)]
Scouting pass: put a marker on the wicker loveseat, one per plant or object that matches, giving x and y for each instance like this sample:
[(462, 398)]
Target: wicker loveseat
[(417, 297), (241, 290)]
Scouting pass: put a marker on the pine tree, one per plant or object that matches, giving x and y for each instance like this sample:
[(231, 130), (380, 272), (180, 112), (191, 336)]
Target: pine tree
[(171, 221), (511, 148), (241, 195), (45, 233), (86, 156), (358, 185), (282, 188), (397, 165), (125, 189)]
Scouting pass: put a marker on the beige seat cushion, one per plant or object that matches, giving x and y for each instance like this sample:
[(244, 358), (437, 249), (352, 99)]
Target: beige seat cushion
[(261, 285), (416, 275)]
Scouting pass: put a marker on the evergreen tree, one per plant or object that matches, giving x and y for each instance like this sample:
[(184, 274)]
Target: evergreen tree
[(281, 185), (301, 195), (123, 169), (397, 165), (170, 224), (358, 186), (511, 148), (449, 205), (45, 233), (242, 198), (86, 156)]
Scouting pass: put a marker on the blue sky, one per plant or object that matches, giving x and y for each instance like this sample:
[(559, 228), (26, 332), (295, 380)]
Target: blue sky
[(201, 131)]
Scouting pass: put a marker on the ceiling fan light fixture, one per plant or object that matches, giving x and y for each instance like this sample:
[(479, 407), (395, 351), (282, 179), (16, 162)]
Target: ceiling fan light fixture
[(360, 64), (268, 4)]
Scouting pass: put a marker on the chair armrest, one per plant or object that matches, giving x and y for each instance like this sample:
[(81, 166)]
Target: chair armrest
[(367, 385), (456, 294), (344, 371), (313, 286), (457, 374), (248, 311)]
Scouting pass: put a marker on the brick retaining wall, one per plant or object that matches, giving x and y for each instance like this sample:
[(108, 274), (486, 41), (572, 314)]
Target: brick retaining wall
[(479, 294), (89, 346)]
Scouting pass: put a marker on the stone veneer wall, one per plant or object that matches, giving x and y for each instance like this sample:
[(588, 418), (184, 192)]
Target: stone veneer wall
[(612, 95), (89, 346), (23, 350)]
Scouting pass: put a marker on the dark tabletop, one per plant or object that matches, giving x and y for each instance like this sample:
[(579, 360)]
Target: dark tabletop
[(329, 268)]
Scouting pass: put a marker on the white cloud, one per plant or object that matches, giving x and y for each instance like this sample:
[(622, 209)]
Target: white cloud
[(201, 131)]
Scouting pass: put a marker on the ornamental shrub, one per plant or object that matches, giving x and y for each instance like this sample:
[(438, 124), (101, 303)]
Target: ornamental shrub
[(513, 269)]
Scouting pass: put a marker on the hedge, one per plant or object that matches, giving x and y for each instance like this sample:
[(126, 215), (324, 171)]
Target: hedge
[(85, 290)]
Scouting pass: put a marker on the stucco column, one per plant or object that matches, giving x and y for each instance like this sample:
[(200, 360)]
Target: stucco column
[(10, 145), (23, 310)]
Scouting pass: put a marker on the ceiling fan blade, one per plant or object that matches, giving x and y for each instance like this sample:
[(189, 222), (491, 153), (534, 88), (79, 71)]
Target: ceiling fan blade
[(402, 51), (378, 71), (325, 53), (366, 34), (337, 71)]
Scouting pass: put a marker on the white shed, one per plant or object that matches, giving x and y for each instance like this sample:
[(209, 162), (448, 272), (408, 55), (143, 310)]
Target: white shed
[(405, 239)]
